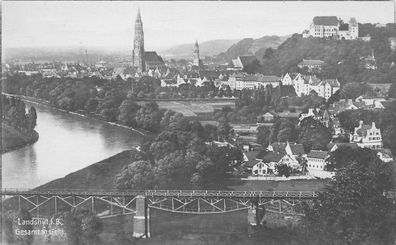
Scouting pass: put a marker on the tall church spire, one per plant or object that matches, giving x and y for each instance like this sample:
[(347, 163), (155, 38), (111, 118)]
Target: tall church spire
[(196, 54), (138, 45)]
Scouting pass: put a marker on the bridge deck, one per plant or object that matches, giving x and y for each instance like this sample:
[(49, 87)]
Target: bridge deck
[(168, 193), (176, 193)]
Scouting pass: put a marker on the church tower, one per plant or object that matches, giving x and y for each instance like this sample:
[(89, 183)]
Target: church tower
[(196, 54), (138, 45)]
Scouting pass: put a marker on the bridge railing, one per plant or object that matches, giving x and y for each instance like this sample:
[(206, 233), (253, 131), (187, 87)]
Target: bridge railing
[(175, 193)]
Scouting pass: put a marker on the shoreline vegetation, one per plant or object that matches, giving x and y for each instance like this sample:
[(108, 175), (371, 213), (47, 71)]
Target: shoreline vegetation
[(12, 139), (18, 123), (90, 116)]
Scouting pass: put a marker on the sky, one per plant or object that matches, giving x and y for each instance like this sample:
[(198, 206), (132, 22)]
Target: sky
[(110, 24)]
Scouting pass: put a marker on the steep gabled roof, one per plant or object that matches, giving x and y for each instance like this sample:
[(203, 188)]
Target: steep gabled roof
[(297, 149), (325, 20), (152, 56), (317, 154), (247, 59)]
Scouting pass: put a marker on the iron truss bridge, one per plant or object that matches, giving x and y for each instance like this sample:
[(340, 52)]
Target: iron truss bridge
[(113, 203)]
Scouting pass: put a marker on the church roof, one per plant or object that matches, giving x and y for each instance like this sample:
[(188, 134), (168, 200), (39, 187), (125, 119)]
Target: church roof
[(247, 59), (325, 20)]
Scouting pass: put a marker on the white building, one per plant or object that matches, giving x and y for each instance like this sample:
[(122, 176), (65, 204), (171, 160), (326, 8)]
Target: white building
[(367, 136), (303, 85), (316, 160), (311, 65), (332, 27), (241, 81)]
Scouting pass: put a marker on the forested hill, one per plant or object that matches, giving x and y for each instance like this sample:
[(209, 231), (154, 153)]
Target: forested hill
[(344, 59), (251, 46)]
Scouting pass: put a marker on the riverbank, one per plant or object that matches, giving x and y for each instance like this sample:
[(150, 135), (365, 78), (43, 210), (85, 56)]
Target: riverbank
[(13, 139), (85, 115)]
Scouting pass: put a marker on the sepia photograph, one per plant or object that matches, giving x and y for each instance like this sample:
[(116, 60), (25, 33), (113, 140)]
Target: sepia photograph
[(198, 122)]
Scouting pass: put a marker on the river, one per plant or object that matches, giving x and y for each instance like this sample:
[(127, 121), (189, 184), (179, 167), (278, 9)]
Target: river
[(67, 143)]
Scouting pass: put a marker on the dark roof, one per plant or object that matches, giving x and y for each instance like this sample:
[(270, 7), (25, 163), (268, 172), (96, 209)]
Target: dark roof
[(247, 59), (251, 155), (344, 27), (279, 147), (363, 130), (269, 156), (251, 163), (152, 56), (342, 145), (325, 20), (317, 154), (297, 149)]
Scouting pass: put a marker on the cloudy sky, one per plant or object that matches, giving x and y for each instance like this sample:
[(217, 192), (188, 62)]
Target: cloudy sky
[(111, 24)]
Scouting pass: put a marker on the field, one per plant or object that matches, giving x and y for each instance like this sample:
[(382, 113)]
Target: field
[(194, 108)]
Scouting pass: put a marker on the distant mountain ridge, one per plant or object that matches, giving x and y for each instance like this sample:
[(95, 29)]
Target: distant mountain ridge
[(208, 48)]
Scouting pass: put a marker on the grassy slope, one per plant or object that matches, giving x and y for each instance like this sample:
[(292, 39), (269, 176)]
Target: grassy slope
[(12, 139), (98, 176)]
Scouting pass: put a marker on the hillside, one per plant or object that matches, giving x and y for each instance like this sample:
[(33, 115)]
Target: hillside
[(208, 48), (344, 59), (251, 46)]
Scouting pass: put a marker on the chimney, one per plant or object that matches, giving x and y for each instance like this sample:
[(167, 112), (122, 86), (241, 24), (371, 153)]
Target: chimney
[(310, 111), (360, 123), (373, 125)]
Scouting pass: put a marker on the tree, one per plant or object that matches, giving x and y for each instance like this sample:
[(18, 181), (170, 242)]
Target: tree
[(283, 170), (137, 175), (263, 135), (31, 119), (173, 171), (223, 128), (128, 109), (352, 209), (82, 227), (303, 163), (392, 91), (316, 137)]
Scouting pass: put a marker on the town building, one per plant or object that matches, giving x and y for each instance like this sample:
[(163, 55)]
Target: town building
[(369, 62), (372, 102), (311, 65), (241, 81), (316, 160), (303, 85), (316, 164), (392, 43), (367, 136), (332, 27), (266, 117)]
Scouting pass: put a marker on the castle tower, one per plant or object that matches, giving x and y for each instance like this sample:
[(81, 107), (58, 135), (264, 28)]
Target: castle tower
[(196, 54), (138, 45)]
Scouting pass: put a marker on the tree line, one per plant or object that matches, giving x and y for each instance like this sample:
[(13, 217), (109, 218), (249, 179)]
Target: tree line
[(15, 115)]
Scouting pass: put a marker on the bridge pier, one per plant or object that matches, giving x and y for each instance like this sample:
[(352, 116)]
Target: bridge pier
[(141, 221)]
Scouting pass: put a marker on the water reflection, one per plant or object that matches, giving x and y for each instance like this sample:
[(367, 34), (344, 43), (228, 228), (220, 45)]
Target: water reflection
[(67, 143)]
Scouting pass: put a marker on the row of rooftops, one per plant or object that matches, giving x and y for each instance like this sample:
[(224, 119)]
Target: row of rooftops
[(331, 21)]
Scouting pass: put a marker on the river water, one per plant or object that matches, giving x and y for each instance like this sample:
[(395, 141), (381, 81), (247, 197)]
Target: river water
[(66, 144)]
